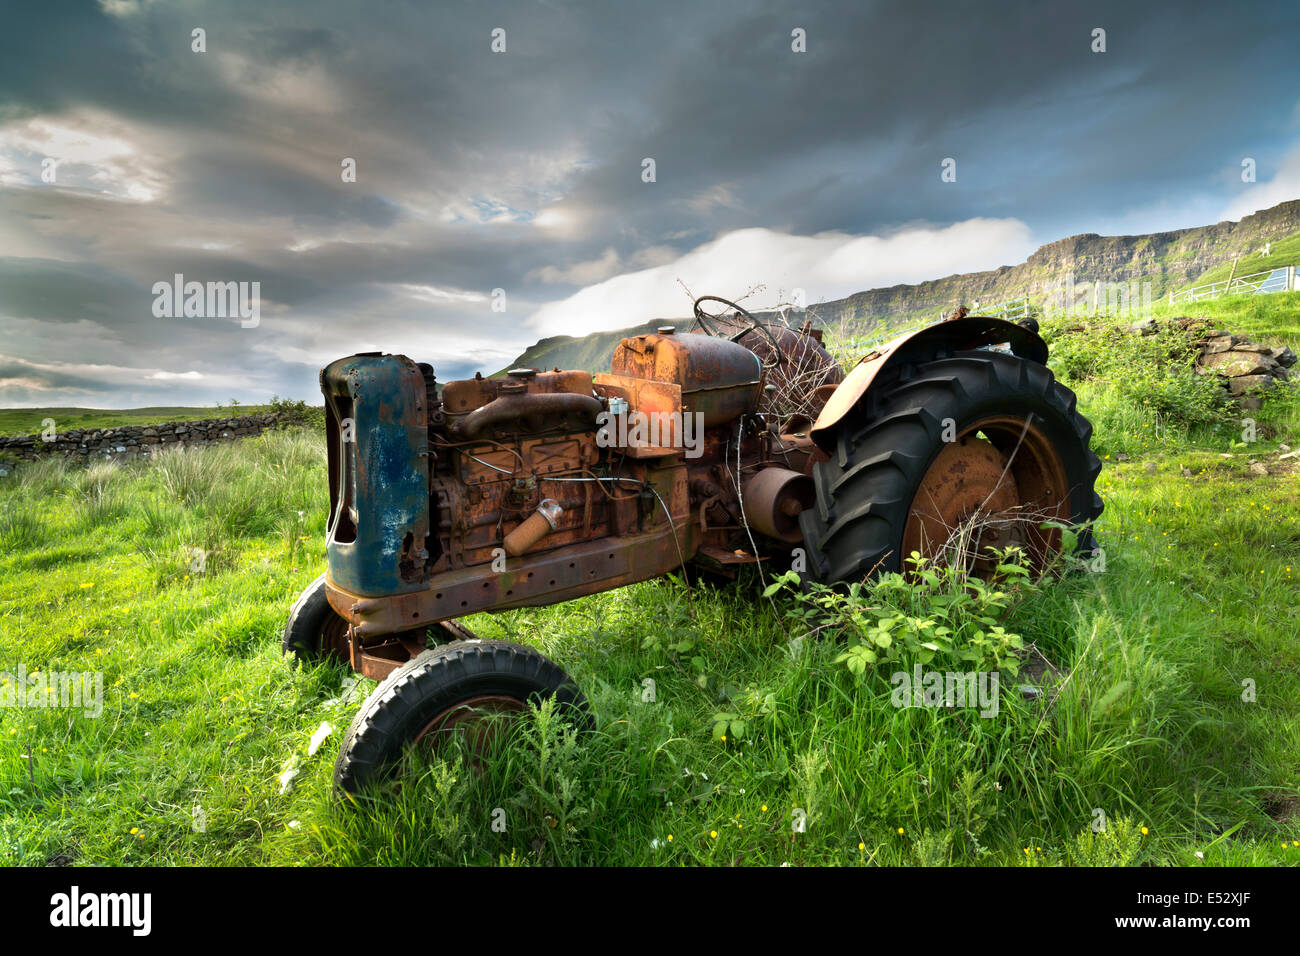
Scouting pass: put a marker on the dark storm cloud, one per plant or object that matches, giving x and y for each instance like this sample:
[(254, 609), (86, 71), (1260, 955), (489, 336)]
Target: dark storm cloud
[(522, 171)]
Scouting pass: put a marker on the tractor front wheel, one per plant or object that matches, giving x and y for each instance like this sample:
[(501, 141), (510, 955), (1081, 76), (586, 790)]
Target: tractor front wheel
[(464, 688), (314, 632)]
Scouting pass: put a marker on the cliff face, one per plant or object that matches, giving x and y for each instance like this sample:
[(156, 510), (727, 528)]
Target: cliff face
[(1168, 260)]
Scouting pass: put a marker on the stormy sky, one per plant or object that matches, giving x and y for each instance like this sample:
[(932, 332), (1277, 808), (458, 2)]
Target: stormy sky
[(501, 196)]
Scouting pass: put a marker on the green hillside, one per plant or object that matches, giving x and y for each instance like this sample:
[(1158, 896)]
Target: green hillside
[(1272, 319), (588, 352), (1284, 252)]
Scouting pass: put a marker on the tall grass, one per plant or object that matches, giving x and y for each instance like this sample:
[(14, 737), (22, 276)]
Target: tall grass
[(813, 764)]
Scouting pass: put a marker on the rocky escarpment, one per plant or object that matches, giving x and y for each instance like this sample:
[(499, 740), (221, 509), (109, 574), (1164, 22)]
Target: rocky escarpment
[(128, 442), (1168, 260)]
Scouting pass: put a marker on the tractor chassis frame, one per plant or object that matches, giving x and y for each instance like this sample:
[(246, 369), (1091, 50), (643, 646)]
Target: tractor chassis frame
[(385, 632)]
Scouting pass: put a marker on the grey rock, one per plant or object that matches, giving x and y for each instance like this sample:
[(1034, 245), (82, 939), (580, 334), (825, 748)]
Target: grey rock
[(1249, 383)]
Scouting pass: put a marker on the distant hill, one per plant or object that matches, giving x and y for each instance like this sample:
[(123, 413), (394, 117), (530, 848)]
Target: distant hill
[(1168, 260), (590, 352)]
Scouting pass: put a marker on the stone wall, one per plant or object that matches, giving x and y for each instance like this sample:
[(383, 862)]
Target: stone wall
[(127, 442), (1246, 369)]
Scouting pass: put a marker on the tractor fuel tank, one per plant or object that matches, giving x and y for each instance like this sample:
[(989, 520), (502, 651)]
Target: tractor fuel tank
[(719, 379)]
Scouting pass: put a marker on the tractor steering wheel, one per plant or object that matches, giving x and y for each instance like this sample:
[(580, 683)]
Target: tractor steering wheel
[(704, 320)]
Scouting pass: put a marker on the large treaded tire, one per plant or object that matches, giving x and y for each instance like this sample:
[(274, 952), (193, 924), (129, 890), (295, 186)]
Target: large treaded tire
[(885, 446), (439, 679)]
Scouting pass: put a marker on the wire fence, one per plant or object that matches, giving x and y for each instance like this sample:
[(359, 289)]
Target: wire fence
[(1013, 310), (1282, 279)]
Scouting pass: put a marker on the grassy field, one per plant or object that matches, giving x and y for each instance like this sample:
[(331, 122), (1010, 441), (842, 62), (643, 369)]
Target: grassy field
[(1284, 252), (27, 421), (1179, 720)]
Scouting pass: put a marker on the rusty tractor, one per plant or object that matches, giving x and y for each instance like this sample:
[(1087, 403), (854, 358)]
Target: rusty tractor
[(738, 442)]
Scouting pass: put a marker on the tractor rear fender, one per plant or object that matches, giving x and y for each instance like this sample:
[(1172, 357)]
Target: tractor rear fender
[(955, 335)]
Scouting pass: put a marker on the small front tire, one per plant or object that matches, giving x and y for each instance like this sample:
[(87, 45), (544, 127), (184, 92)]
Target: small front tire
[(448, 689)]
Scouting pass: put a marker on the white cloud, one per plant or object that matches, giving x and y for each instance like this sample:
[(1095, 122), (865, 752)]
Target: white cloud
[(712, 198), (90, 150), (1283, 187), (109, 375), (123, 8), (429, 293), (610, 263), (308, 88), (581, 273), (826, 266)]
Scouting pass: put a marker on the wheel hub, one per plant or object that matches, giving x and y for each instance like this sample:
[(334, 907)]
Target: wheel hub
[(993, 487), (473, 718)]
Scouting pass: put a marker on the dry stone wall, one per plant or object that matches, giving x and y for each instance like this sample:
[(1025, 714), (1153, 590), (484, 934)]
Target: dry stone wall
[(1246, 369), (127, 442)]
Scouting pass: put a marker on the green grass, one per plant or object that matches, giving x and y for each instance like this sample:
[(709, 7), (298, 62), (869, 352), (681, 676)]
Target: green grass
[(1283, 252), (28, 421), (1194, 605), (1271, 319)]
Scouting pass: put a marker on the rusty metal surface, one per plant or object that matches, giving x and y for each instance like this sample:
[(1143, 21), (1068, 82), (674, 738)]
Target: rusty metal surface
[(993, 491), (646, 397), (463, 396), (719, 379), (334, 639), (773, 499), (544, 578), (950, 335), (533, 528), (799, 370), (527, 411), (471, 717)]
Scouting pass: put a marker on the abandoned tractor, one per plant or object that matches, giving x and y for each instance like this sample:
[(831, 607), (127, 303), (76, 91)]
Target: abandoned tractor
[(737, 444)]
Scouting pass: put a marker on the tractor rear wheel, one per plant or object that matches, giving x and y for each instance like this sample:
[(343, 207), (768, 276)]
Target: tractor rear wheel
[(948, 458), (463, 688)]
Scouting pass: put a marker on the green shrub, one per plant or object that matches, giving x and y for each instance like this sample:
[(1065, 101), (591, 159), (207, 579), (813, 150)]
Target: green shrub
[(297, 413), (936, 613), (1152, 375)]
